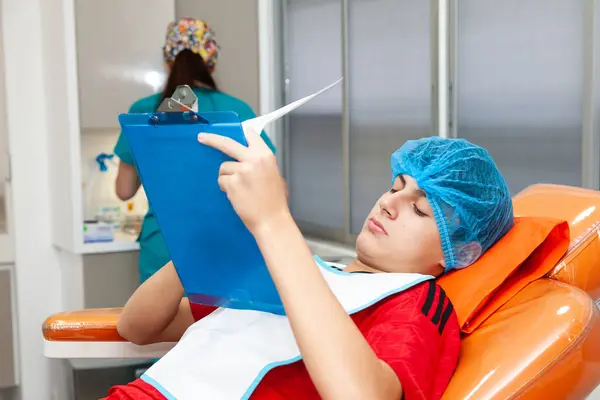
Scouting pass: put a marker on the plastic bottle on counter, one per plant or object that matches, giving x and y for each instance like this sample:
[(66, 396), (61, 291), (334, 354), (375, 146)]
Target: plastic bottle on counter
[(132, 221), (101, 202)]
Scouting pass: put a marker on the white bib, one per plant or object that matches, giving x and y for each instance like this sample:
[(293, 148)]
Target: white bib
[(225, 355)]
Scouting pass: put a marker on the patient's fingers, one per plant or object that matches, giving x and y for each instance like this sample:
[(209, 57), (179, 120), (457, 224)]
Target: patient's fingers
[(224, 144), (254, 140), (224, 182), (230, 168)]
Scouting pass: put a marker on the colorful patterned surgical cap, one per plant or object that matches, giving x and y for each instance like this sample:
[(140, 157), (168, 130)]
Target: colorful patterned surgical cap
[(194, 35)]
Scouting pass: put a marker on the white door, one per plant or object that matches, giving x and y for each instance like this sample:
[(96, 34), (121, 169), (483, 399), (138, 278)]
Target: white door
[(6, 244)]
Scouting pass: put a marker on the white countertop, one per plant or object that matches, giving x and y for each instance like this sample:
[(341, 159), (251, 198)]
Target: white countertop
[(122, 242)]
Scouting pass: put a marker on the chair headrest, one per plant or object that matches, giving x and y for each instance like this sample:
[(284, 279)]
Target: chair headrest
[(526, 253), (580, 266)]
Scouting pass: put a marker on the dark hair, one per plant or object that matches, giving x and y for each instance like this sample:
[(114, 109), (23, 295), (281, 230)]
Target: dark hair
[(187, 69)]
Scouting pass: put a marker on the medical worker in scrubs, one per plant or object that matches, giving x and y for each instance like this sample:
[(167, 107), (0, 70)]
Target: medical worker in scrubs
[(190, 53)]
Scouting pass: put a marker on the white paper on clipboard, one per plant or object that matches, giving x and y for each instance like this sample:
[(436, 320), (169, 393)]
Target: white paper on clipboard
[(256, 125)]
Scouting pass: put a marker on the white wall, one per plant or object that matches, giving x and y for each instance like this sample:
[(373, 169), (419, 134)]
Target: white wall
[(32, 32), (3, 135)]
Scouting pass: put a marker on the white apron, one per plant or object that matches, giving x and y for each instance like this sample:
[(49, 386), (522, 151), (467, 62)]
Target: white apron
[(225, 355)]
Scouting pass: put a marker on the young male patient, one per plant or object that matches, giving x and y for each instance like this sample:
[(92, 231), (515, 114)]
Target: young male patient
[(448, 204)]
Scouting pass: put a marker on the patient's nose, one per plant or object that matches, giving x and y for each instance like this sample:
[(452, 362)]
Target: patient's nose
[(391, 203)]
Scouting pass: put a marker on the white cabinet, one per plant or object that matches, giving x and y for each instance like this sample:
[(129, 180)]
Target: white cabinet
[(111, 56)]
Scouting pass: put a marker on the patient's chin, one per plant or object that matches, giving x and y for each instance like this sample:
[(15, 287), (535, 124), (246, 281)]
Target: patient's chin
[(360, 239), (366, 246)]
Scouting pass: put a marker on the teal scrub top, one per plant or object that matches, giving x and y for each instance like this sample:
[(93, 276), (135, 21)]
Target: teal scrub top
[(153, 250)]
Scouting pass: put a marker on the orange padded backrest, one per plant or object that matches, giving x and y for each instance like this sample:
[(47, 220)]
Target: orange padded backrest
[(526, 253), (581, 209), (544, 343)]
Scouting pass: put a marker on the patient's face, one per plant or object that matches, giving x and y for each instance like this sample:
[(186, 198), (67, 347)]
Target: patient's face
[(400, 233)]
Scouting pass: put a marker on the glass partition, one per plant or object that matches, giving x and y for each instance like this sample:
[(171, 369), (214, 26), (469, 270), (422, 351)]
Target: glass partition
[(520, 86)]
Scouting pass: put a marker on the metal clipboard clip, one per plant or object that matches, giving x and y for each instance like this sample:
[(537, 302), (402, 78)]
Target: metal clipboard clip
[(181, 107)]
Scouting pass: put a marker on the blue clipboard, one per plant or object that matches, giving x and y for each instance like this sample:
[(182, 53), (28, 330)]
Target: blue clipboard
[(216, 257)]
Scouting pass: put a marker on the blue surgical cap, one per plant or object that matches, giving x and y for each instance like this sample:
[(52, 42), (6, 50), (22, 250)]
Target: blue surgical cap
[(471, 202)]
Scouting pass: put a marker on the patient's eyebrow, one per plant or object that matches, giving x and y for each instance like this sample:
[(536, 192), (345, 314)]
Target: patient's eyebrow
[(402, 180), (418, 191)]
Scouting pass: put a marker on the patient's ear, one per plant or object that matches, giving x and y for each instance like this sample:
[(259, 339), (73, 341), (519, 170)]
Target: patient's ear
[(467, 254)]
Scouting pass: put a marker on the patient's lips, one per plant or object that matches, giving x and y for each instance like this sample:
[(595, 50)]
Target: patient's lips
[(376, 227)]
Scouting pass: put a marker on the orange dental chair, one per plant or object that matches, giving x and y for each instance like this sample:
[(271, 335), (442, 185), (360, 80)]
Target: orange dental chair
[(533, 334)]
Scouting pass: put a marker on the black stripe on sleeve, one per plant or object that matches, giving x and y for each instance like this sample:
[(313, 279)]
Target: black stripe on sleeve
[(445, 317), (429, 300), (440, 307)]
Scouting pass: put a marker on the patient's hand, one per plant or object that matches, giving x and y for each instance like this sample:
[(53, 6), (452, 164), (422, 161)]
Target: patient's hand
[(253, 183)]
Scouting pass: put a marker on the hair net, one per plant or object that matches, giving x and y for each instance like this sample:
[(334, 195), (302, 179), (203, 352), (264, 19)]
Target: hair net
[(194, 35), (471, 202)]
